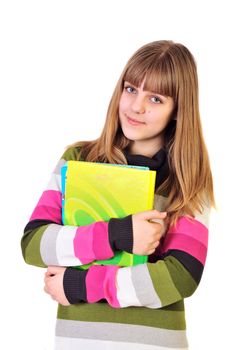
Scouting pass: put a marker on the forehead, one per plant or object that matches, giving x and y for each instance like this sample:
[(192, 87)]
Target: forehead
[(156, 77)]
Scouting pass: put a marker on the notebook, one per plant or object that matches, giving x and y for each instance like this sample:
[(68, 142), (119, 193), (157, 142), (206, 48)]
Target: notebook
[(99, 191)]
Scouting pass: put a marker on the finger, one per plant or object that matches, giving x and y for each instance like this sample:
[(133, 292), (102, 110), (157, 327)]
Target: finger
[(156, 244), (46, 289), (153, 214), (46, 276), (47, 279), (151, 251), (47, 273), (162, 226), (158, 221)]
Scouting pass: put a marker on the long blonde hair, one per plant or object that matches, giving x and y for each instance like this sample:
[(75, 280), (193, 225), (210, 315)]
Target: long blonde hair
[(168, 69)]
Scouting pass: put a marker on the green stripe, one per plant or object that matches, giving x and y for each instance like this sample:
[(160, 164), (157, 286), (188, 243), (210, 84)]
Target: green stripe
[(163, 283), (31, 243), (172, 317), (71, 153), (182, 279)]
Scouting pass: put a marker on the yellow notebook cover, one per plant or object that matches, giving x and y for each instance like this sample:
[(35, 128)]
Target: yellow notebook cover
[(100, 191)]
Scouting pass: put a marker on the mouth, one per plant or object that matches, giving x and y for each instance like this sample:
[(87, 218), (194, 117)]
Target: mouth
[(133, 121)]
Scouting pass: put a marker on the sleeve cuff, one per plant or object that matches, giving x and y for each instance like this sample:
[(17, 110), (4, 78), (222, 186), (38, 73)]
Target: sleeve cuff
[(74, 285), (121, 234)]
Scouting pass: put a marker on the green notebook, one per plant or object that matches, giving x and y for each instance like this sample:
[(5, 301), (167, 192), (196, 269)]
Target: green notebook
[(100, 191)]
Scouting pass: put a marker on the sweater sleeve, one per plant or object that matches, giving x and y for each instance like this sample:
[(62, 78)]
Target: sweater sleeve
[(173, 276), (47, 242)]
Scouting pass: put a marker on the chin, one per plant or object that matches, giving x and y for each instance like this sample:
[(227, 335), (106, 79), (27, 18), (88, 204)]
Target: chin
[(130, 135)]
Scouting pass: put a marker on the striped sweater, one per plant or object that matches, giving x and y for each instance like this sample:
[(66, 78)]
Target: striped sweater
[(139, 307)]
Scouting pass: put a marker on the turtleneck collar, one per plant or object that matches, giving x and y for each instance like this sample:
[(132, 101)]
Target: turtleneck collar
[(158, 162)]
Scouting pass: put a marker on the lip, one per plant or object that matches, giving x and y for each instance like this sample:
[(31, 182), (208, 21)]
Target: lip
[(133, 121)]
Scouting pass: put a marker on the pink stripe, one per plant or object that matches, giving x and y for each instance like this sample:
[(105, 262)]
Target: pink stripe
[(91, 242), (47, 213), (51, 198), (101, 245), (101, 284), (191, 227), (185, 243), (49, 207)]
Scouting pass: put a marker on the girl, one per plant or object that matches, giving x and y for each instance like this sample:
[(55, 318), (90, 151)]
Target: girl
[(153, 120)]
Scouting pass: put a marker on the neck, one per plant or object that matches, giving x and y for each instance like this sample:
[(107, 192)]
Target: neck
[(144, 148)]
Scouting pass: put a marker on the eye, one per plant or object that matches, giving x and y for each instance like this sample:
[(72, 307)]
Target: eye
[(155, 99), (130, 89)]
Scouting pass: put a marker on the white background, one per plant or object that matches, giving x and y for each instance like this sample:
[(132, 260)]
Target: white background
[(59, 63)]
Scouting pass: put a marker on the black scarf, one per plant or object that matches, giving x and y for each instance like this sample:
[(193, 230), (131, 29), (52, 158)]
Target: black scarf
[(158, 162)]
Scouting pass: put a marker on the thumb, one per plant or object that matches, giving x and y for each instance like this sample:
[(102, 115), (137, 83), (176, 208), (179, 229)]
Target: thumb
[(153, 214), (52, 270)]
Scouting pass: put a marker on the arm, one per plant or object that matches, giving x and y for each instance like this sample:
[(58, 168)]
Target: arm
[(47, 242), (174, 275)]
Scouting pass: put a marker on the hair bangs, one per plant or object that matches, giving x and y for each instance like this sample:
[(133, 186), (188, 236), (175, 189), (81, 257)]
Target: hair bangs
[(135, 73), (158, 75)]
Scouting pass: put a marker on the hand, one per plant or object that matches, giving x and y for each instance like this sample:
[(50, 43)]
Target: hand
[(148, 228), (54, 284)]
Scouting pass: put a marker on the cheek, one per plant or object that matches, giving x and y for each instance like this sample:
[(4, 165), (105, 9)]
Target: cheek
[(123, 104), (157, 119), (120, 106)]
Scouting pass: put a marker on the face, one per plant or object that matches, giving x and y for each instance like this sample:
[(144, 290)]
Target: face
[(143, 117)]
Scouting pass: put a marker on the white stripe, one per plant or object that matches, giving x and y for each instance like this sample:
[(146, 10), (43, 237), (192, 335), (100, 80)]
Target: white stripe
[(204, 217), (65, 247), (126, 293), (54, 183), (62, 343)]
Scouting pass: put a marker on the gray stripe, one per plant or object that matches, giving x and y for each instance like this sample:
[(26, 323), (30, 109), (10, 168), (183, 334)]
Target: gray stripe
[(144, 288), (121, 333), (160, 202), (48, 245)]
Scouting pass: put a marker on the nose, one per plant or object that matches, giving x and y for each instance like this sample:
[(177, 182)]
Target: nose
[(138, 105)]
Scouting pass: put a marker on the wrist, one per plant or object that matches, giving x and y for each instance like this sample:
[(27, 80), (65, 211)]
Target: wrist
[(74, 283), (120, 232)]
